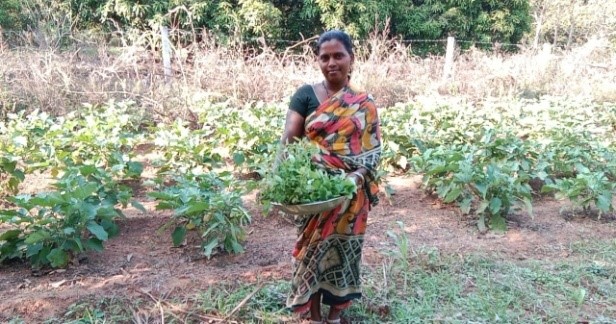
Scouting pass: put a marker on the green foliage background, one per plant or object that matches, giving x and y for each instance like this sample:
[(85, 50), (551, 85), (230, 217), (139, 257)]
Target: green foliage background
[(9, 14), (559, 22), (487, 20)]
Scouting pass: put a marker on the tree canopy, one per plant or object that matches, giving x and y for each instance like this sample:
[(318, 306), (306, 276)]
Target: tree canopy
[(503, 21)]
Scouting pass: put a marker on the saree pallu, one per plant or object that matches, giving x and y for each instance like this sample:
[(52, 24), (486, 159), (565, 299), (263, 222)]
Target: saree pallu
[(327, 253)]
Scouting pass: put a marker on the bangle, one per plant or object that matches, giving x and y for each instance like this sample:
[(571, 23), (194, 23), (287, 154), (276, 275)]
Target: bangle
[(361, 176)]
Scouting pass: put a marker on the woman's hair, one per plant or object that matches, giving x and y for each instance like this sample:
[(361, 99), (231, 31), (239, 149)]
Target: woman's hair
[(338, 35)]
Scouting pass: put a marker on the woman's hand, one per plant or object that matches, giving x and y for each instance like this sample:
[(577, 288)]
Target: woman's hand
[(357, 178)]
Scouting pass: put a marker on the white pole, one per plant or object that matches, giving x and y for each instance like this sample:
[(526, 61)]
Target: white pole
[(448, 69), (164, 32), (1, 41)]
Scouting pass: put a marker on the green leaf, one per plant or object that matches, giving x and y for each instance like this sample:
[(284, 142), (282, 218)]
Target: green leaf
[(138, 206), (581, 168), (10, 235), (134, 168), (94, 244), (120, 213), (40, 258), (161, 195), (110, 227), (453, 195), (548, 188), (465, 205), (13, 184), (48, 199), (58, 258), (72, 245), (8, 166), (498, 223), (97, 230), (238, 158), (193, 208), (117, 168), (78, 243), (178, 235), (236, 247), (107, 212), (495, 205), (88, 210), (36, 237), (389, 190), (579, 296), (481, 223), (604, 202), (542, 175), (164, 205), (529, 206), (18, 174), (482, 206), (482, 188), (87, 170), (83, 192), (209, 247), (33, 249)]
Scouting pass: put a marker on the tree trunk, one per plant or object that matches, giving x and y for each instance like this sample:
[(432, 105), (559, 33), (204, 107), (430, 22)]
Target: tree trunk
[(571, 23), (555, 41), (570, 37), (539, 25)]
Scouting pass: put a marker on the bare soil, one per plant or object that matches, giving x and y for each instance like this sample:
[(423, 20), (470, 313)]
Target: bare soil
[(142, 260)]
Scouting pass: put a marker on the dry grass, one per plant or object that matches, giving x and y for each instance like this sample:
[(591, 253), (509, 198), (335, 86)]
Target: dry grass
[(58, 81)]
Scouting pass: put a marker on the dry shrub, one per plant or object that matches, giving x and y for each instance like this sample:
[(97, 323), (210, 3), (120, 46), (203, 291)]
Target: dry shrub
[(587, 71), (386, 69), (93, 72)]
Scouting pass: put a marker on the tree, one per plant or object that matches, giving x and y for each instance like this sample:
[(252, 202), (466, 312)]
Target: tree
[(10, 17), (482, 21), (503, 21), (567, 22)]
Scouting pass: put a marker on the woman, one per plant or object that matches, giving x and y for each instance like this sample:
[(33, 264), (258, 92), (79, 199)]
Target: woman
[(343, 123)]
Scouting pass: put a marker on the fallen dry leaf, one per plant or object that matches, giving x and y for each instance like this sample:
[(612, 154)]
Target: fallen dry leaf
[(58, 283)]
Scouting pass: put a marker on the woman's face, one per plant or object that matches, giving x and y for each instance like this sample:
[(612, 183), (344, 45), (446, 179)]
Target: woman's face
[(335, 61)]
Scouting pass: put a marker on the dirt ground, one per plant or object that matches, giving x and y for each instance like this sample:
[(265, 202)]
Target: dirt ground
[(140, 259)]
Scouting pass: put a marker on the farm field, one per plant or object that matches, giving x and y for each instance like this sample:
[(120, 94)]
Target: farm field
[(553, 268), (138, 141), (498, 211)]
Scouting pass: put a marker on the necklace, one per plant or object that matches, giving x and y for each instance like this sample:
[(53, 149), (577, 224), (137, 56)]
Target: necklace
[(326, 90)]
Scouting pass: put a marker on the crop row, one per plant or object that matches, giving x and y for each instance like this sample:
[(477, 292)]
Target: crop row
[(487, 159)]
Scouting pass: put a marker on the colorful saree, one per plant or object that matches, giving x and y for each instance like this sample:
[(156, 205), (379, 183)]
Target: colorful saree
[(328, 250)]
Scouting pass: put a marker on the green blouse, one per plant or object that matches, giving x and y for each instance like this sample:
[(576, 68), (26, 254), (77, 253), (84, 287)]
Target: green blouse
[(304, 101)]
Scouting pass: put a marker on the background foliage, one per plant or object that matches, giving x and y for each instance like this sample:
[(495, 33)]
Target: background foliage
[(559, 22), (503, 21)]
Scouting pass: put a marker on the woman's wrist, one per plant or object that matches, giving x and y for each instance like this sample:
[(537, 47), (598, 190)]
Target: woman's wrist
[(362, 171), (359, 176)]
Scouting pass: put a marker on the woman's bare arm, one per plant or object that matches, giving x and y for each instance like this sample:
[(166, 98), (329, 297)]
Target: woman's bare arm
[(294, 127)]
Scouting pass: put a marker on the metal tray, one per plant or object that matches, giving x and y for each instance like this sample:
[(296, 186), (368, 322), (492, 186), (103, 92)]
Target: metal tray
[(312, 208)]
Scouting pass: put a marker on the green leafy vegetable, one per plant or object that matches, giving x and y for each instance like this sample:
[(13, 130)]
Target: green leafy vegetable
[(209, 203), (296, 180)]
